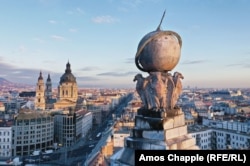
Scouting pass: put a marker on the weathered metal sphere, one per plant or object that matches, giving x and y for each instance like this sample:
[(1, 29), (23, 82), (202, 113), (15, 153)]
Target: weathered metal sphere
[(158, 51)]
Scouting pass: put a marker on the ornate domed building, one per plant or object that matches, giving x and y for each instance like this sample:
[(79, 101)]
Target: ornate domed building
[(67, 90)]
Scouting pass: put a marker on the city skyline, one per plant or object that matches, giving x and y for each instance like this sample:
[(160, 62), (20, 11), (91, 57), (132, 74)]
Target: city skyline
[(100, 40)]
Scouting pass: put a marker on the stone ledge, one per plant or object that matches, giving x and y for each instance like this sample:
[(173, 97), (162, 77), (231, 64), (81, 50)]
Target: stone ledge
[(175, 132), (153, 120), (148, 134), (148, 123), (144, 144), (182, 142)]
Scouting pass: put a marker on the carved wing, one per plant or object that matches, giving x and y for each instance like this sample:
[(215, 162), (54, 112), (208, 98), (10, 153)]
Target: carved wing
[(178, 87), (170, 91)]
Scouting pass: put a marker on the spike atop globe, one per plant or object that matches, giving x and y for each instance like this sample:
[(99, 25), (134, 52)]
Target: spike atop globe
[(158, 51)]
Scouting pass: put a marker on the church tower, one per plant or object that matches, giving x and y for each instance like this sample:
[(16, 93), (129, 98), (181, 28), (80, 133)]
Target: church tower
[(40, 99), (48, 91), (67, 89)]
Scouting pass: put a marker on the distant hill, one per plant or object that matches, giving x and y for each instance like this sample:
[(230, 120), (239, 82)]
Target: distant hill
[(6, 83)]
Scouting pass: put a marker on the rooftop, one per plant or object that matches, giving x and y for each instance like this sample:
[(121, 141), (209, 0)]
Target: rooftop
[(31, 114), (197, 128), (6, 123)]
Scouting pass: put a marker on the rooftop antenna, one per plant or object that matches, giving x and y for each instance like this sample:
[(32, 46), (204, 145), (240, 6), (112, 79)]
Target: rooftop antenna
[(159, 26)]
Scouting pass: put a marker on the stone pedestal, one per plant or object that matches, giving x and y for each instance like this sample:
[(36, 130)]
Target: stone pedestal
[(157, 131), (160, 131)]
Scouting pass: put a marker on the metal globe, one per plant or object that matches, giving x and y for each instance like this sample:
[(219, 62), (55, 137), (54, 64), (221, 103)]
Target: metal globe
[(158, 51)]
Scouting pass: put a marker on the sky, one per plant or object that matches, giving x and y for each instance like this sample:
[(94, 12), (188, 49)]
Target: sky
[(100, 40)]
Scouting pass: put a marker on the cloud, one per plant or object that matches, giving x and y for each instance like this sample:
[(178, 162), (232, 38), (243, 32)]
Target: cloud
[(76, 11), (29, 77), (39, 40), (90, 68), (16, 72), (86, 78), (3, 75), (243, 65), (19, 75), (52, 21), (49, 62), (193, 62), (117, 74), (246, 65), (22, 49), (25, 75), (235, 64), (56, 37), (130, 60), (73, 30), (70, 12), (104, 19), (50, 3), (131, 3), (6, 67), (80, 11), (123, 9), (127, 5)]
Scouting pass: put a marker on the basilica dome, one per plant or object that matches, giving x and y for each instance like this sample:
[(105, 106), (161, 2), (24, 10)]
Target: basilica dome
[(67, 76)]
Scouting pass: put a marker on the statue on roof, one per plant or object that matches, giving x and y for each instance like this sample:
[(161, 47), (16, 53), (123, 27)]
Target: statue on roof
[(157, 54)]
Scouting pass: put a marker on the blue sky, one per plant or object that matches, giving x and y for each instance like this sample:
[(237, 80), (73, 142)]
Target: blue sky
[(100, 39)]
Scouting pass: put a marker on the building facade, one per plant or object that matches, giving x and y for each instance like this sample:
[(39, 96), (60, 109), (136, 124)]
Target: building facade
[(68, 127), (217, 138), (32, 130), (13, 105), (119, 138), (5, 141), (203, 136), (87, 121)]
